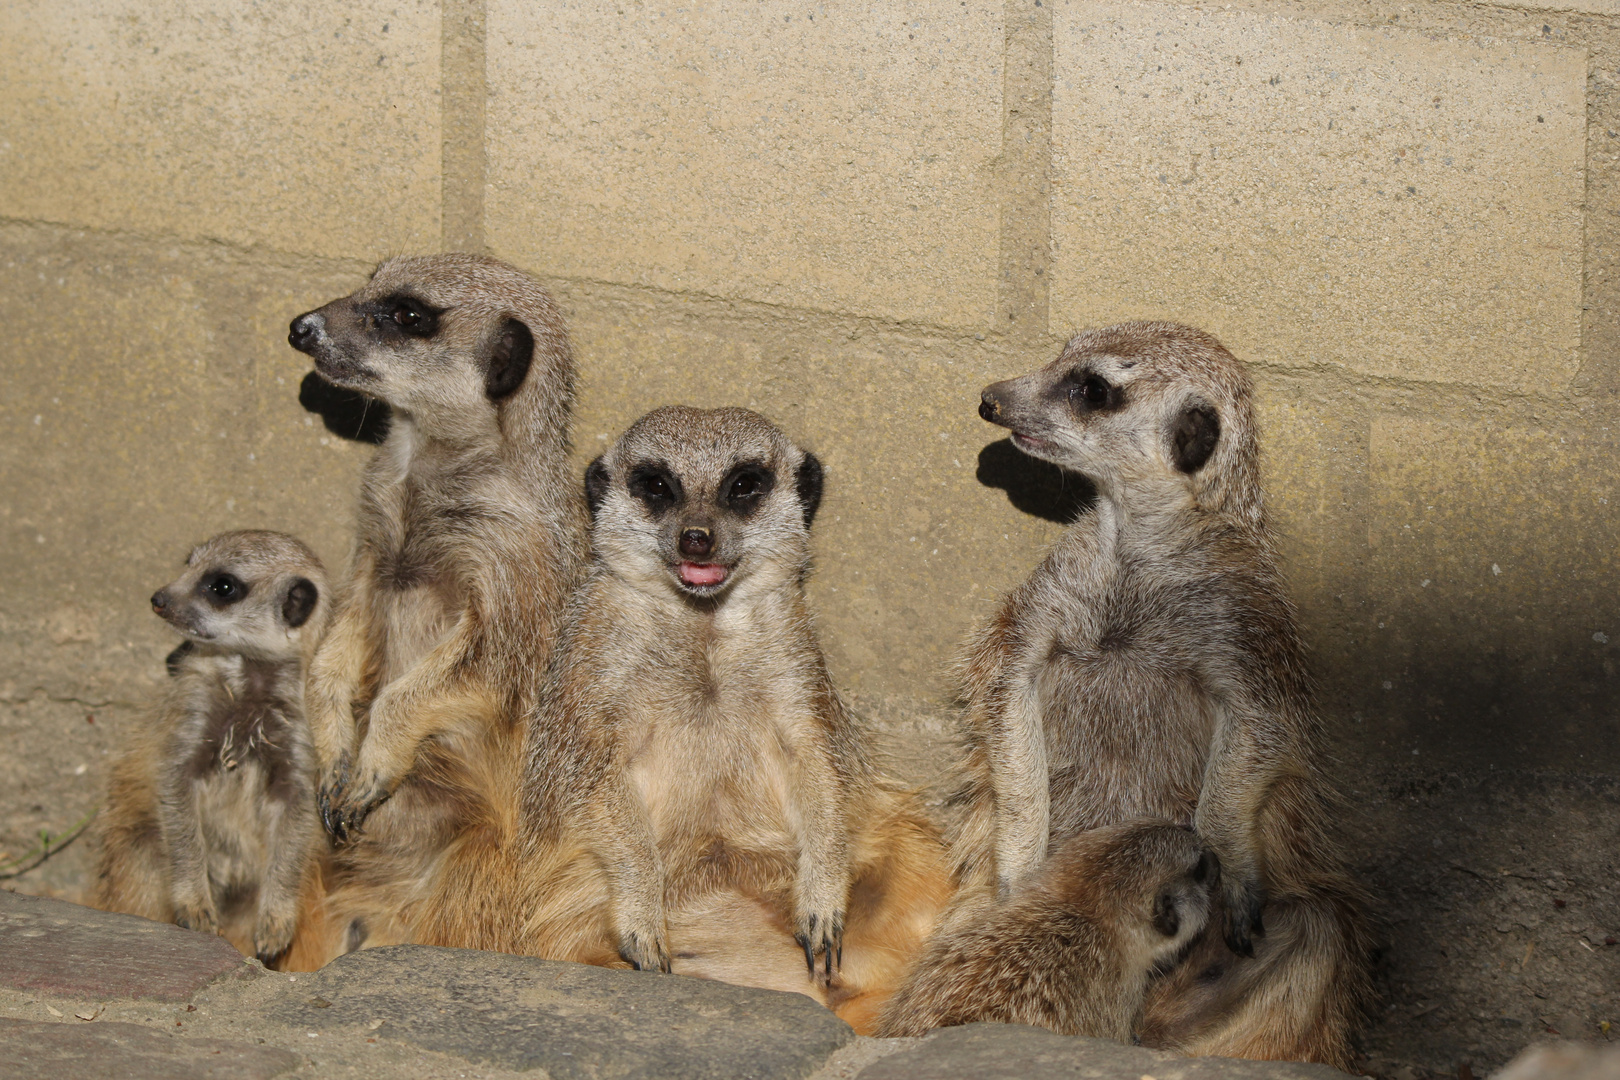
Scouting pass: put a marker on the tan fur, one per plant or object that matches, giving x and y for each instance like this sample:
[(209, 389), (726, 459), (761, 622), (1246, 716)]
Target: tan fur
[(1074, 947), (698, 790), (470, 531), (210, 818), (1151, 667)]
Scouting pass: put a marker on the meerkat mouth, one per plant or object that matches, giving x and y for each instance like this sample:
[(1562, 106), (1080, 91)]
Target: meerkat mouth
[(702, 575), (1029, 442)]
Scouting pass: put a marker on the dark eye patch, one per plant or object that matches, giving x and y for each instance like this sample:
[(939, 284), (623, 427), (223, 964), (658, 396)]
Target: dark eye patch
[(222, 589), (745, 486), (405, 314), (1090, 392), (655, 486)]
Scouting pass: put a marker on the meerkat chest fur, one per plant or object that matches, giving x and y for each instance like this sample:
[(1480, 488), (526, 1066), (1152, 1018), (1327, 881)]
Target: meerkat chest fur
[(1115, 666), (708, 745)]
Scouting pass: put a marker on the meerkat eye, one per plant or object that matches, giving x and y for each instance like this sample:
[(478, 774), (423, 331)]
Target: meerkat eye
[(746, 486), (657, 489), (225, 588), (410, 316), (1093, 391)]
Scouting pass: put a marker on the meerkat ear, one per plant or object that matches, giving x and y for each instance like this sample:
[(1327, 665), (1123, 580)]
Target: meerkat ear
[(808, 481), (509, 359), (597, 479), (1193, 437), (300, 602)]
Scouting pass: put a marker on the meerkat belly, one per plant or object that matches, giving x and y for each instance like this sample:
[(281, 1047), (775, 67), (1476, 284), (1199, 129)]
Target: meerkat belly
[(713, 777), (417, 619), (1126, 737), (230, 810)]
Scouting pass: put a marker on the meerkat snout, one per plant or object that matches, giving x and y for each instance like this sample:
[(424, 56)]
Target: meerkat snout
[(696, 542)]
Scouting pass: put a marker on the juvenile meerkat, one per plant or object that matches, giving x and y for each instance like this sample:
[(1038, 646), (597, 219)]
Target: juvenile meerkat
[(691, 742), (210, 818), (469, 534), (1151, 667), (1074, 947)]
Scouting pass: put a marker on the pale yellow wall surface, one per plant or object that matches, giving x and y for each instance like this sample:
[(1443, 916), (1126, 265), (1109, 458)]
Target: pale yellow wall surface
[(306, 126), (834, 157), (1396, 202)]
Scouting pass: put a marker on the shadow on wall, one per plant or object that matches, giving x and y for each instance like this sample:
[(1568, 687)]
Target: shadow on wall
[(1034, 486), (348, 414)]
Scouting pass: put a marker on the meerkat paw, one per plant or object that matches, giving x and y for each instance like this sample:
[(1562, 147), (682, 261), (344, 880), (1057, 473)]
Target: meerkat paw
[(1243, 901), (645, 950), (272, 934), (347, 797), (199, 917), (822, 935)]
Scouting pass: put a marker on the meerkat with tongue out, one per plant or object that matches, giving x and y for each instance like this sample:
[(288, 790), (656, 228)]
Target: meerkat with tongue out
[(691, 742)]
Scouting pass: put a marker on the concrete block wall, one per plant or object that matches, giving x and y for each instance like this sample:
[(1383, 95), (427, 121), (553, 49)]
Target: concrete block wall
[(852, 216)]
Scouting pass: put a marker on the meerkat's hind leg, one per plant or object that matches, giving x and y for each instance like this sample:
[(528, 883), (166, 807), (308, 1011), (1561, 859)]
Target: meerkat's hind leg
[(290, 832)]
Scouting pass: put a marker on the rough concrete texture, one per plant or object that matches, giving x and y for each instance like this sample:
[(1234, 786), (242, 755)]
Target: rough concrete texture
[(853, 224), (1014, 1052), (225, 121), (836, 157), (1423, 190), (413, 1011)]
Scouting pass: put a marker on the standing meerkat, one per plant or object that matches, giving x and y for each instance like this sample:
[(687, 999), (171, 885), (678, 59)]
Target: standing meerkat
[(690, 741), (1151, 667), (210, 817), (1074, 947), (468, 537)]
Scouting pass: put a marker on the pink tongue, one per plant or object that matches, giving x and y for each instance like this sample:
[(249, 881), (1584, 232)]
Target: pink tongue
[(701, 574)]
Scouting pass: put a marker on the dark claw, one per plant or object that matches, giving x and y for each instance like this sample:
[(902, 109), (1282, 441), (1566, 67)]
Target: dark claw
[(1243, 921), (809, 955)]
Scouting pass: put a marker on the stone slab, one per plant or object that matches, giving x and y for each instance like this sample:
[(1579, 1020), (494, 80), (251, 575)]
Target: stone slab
[(1017, 1052), (836, 158), (306, 127), (573, 1021), (1564, 1061), (1400, 203), (59, 948), (80, 1051)]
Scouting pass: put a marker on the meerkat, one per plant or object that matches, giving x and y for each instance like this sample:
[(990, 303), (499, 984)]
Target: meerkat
[(691, 743), (1152, 667), (469, 533), (211, 816), (1074, 947)]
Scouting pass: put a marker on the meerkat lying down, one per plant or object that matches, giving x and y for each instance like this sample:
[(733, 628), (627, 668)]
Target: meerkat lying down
[(210, 818), (690, 760), (1151, 667), (1074, 947)]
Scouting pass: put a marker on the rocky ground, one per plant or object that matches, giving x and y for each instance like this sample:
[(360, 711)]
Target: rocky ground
[(85, 994)]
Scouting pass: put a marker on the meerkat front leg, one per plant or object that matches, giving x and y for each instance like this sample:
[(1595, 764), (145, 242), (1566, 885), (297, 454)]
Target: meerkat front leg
[(289, 834), (332, 685), (1244, 763), (407, 712), (636, 874), (821, 831), (194, 906)]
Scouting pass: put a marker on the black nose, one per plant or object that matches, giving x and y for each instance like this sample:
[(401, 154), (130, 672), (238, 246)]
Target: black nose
[(160, 600), (304, 330), (696, 542), (989, 407)]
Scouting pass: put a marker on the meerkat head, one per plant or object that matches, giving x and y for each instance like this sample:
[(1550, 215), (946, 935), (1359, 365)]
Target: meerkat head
[(1154, 879), (452, 341), (702, 501), (254, 592), (1138, 403)]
